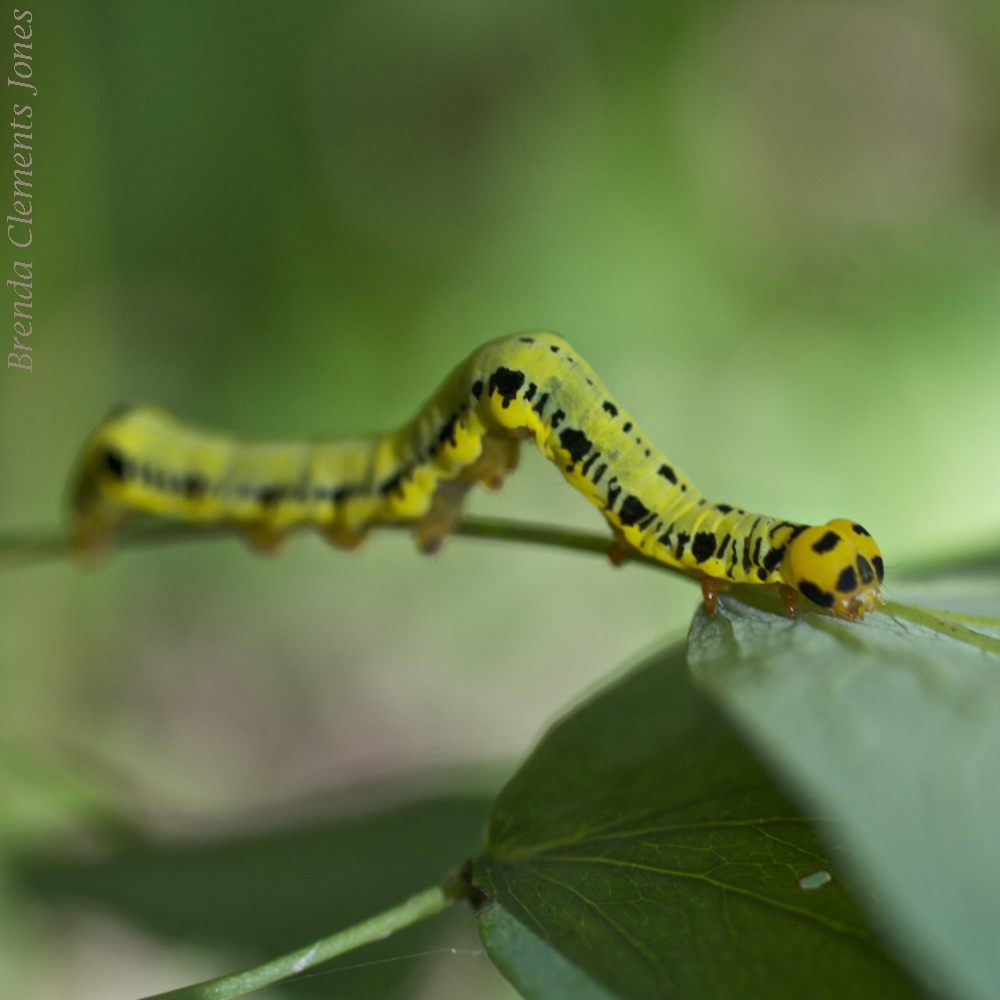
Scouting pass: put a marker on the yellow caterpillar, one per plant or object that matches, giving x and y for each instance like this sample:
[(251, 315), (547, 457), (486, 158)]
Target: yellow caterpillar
[(142, 460)]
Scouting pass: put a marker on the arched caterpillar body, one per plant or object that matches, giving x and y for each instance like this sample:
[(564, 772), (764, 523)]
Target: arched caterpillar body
[(532, 385)]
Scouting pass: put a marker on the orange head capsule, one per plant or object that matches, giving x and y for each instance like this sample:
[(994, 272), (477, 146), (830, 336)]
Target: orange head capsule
[(836, 565)]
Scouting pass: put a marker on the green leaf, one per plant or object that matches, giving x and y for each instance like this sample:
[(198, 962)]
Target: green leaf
[(891, 726), (641, 851), (533, 965)]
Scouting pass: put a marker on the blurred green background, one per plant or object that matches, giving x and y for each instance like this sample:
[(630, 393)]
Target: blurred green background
[(772, 228)]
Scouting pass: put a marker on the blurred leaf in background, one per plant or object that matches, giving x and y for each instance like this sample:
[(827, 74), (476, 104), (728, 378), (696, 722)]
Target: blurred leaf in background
[(254, 895)]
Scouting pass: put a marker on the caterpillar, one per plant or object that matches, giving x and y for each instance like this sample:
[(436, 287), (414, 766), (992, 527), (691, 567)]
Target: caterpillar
[(142, 460)]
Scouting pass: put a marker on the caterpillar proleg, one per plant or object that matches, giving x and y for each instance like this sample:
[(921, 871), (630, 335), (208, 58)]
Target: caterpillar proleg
[(142, 460)]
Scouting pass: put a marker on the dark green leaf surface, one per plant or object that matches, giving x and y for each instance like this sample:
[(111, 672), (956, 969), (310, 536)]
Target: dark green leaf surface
[(641, 851), (892, 726)]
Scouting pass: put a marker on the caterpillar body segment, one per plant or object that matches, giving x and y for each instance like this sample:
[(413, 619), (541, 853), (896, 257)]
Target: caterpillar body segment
[(142, 460)]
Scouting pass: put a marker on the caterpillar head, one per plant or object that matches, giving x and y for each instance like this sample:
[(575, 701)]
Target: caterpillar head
[(836, 565)]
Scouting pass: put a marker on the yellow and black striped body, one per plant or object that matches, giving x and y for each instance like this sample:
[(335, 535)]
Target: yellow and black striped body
[(532, 385)]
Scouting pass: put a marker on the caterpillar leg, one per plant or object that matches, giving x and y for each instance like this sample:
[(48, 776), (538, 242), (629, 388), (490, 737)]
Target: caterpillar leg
[(263, 539), (97, 515), (618, 552), (711, 587), (344, 538), (499, 456), (89, 542), (439, 522), (789, 597), (95, 527)]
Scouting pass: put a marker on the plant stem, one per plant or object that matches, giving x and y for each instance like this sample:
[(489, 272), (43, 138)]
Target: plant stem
[(424, 904), (23, 548)]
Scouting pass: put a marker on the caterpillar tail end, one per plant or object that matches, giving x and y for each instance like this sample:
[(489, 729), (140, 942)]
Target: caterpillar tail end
[(88, 542), (96, 519)]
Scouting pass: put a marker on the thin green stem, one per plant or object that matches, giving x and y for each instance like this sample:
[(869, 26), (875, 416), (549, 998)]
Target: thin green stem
[(28, 548), (418, 907), (23, 548)]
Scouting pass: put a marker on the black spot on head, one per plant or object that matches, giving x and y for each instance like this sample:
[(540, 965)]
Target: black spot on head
[(703, 546), (847, 582), (762, 574), (815, 594), (667, 473), (115, 464), (610, 407), (865, 571), (627, 427), (554, 348), (826, 543), (526, 340), (879, 568), (723, 508), (507, 383), (477, 388), (633, 510), (529, 393), (557, 418), (858, 530)]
